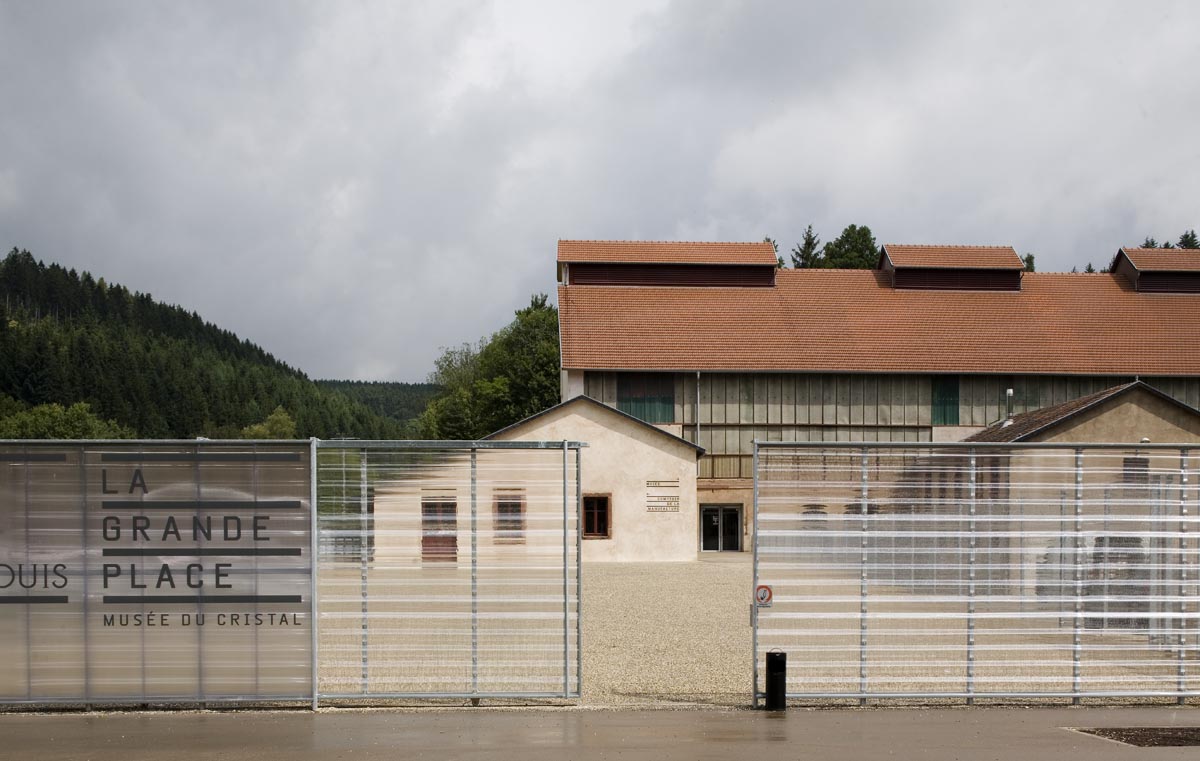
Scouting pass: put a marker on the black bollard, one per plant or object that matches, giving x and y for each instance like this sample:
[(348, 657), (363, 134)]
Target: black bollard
[(776, 681)]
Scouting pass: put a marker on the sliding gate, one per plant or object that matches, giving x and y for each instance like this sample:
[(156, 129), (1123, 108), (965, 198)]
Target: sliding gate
[(177, 572), (448, 569), (965, 571)]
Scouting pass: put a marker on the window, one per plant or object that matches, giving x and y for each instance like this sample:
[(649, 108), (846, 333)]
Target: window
[(439, 531), (945, 400), (1135, 471), (647, 396), (508, 520), (596, 523)]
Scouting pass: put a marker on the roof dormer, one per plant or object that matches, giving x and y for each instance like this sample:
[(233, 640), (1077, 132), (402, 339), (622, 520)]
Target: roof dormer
[(608, 262), (1159, 270), (962, 268)]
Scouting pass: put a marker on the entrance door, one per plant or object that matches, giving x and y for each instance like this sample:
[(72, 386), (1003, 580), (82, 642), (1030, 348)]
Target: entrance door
[(721, 528)]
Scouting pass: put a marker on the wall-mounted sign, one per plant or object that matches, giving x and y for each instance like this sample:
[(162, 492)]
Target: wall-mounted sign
[(762, 596), (154, 572), (662, 496)]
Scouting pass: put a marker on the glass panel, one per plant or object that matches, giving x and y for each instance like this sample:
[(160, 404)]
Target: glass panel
[(154, 571), (710, 529), (649, 397), (945, 400), (731, 529)]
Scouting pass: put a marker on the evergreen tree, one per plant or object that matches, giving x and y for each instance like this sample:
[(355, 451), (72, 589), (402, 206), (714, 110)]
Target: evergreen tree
[(1089, 268), (1029, 265), (807, 253), (1149, 242), (1189, 240), (780, 264), (152, 368)]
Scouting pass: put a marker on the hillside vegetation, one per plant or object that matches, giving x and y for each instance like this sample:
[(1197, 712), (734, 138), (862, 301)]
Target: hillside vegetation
[(401, 402), (147, 369)]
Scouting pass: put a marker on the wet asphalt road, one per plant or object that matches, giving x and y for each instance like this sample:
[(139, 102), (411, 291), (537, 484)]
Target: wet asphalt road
[(1023, 734)]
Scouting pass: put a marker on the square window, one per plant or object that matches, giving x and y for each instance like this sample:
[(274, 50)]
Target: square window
[(596, 519)]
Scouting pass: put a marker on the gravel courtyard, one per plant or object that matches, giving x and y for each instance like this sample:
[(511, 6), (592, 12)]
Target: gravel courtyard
[(667, 632)]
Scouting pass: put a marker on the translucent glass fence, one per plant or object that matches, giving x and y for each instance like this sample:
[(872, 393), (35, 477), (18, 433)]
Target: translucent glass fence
[(448, 569), (136, 572), (972, 571)]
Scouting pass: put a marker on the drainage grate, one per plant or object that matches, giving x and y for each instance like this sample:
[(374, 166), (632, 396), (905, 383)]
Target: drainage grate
[(1148, 737)]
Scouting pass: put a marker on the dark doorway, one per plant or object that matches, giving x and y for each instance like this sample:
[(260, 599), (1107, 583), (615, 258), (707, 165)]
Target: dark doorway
[(721, 528)]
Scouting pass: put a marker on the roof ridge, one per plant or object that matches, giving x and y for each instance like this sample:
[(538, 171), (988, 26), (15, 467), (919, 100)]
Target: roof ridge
[(669, 242), (951, 245)]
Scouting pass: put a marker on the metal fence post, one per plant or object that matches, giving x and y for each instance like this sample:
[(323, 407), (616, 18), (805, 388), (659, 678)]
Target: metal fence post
[(313, 557), (1077, 648), (862, 589), (566, 580), (364, 652), (87, 644), (754, 586), (971, 493), (578, 571), (474, 572), (1183, 574)]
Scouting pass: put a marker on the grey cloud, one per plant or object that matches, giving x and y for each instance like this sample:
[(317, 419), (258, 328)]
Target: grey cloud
[(353, 186)]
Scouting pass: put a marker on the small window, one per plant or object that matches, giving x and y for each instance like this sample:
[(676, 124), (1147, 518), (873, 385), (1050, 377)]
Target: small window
[(509, 518), (439, 531), (1135, 471), (596, 523), (945, 400)]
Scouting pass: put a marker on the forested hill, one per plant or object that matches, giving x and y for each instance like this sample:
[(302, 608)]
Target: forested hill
[(154, 368), (402, 402)]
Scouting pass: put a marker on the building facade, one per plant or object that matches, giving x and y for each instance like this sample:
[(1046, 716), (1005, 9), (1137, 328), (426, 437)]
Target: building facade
[(713, 343)]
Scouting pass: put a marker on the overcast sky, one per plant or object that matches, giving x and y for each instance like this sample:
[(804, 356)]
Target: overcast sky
[(354, 185)]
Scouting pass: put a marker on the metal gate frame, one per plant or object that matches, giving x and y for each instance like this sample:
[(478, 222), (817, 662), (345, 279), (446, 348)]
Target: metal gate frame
[(473, 447), (571, 645), (1184, 517)]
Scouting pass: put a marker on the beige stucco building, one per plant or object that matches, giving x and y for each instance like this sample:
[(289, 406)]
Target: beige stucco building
[(638, 481)]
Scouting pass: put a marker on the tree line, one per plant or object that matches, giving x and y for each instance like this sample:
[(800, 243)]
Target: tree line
[(497, 381), (856, 249), (402, 402), (142, 368)]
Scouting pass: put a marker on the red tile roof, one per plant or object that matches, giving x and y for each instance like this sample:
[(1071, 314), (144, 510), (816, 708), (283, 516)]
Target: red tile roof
[(1024, 425), (852, 321), (1027, 424), (1164, 259), (954, 257), (665, 252)]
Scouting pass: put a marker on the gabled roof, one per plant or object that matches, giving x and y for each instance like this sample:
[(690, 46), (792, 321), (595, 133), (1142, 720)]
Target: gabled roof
[(951, 257), (822, 320), (588, 401), (1161, 259), (665, 252), (1023, 426)]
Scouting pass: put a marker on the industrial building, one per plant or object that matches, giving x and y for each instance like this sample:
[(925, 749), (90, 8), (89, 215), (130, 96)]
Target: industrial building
[(717, 346)]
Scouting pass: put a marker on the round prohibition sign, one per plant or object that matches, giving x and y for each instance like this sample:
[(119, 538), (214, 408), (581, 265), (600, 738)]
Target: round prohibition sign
[(762, 595)]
